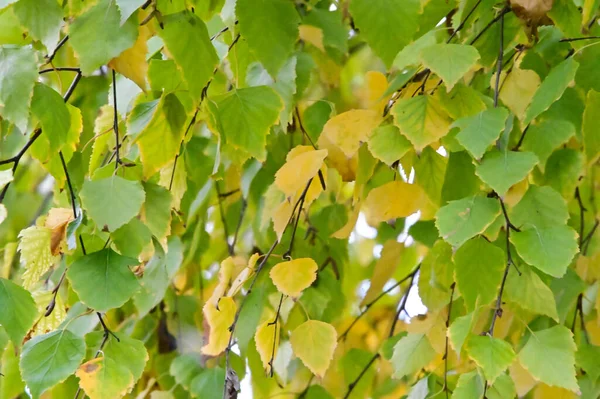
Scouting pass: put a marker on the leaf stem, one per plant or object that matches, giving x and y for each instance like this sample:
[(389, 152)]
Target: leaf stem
[(275, 329), (115, 120), (452, 287)]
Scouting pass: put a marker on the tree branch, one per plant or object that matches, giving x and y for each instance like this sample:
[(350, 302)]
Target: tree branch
[(499, 62), (489, 25), (275, 329), (452, 287), (115, 120), (51, 56)]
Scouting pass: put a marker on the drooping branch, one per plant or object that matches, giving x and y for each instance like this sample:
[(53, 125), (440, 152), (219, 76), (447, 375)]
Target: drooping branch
[(452, 287), (115, 120)]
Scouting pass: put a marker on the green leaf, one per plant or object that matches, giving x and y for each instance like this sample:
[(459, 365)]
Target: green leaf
[(245, 116), (19, 311), (430, 170), (128, 352), (112, 201), (131, 238), (479, 131), (387, 144), (49, 359), (435, 276), (563, 170), (450, 61), (550, 249), (409, 55), (541, 207), (421, 119), (458, 221), (470, 385), (50, 109), (103, 280), (587, 358), (388, 25), (528, 291), (478, 269), (493, 355), (97, 35), (160, 140), (157, 276), (463, 101), (545, 137), (277, 17), (181, 32), (460, 180), (502, 170), (551, 89), (157, 209), (335, 34), (208, 384), (557, 344), (43, 20), (591, 135), (184, 368), (503, 387), (19, 73), (460, 329), (411, 353)]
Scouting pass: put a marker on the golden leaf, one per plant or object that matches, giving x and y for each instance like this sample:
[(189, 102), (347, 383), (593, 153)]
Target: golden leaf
[(267, 342), (294, 276), (303, 163), (393, 200), (518, 89), (131, 63), (348, 130), (219, 319), (312, 35)]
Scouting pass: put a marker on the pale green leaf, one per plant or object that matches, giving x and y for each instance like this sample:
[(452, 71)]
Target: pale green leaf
[(387, 144), (112, 201), (563, 170), (435, 276), (478, 270), (128, 7), (551, 89), (97, 35), (208, 384), (450, 61), (19, 73), (280, 19), (388, 25), (587, 358), (421, 119), (549, 355), (503, 387), (460, 329), (103, 280), (502, 170), (156, 210), (18, 311), (479, 131), (461, 220), (183, 31), (128, 352), (528, 291), (469, 386), (411, 353), (541, 207), (49, 359), (430, 170), (493, 355), (409, 55), (42, 18), (245, 117), (550, 249)]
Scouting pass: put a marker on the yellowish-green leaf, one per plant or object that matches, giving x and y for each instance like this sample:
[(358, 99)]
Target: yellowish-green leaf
[(303, 163), (104, 378), (267, 342), (493, 355), (411, 353), (310, 335), (517, 90), (36, 253), (450, 61), (392, 200), (132, 63), (350, 129)]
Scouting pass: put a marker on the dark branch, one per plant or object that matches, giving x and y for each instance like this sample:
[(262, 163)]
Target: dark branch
[(51, 56), (115, 120), (353, 384), (275, 329), (464, 21), (452, 287), (499, 62), (576, 39), (490, 24)]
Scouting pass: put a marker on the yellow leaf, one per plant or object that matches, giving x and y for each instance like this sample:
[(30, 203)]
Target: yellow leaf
[(281, 217), (294, 276), (104, 378), (543, 391), (345, 231), (36, 253), (392, 200), (349, 129), (244, 276), (57, 221), (131, 63), (314, 343), (376, 86), (384, 269), (58, 315), (225, 276), (523, 380), (303, 163), (518, 89), (219, 320), (312, 35), (267, 342), (336, 158)]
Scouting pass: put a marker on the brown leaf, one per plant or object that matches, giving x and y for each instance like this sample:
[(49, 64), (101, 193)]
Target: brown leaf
[(57, 221)]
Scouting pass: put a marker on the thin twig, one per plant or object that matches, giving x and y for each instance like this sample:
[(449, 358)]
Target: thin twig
[(115, 120), (59, 69), (489, 25), (275, 329), (462, 24), (499, 62), (223, 220), (51, 56), (453, 286), (353, 384), (259, 268), (576, 39), (239, 224), (403, 303), (71, 192)]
